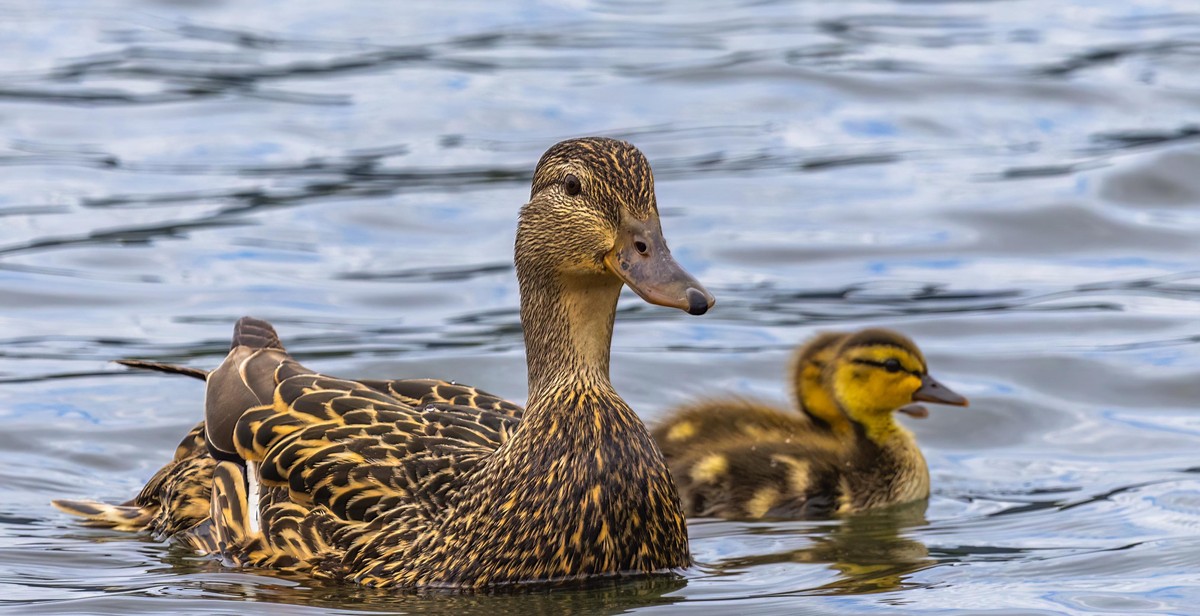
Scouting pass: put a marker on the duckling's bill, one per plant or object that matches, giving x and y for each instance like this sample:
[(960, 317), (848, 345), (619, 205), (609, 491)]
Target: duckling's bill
[(914, 410), (932, 390), (642, 260)]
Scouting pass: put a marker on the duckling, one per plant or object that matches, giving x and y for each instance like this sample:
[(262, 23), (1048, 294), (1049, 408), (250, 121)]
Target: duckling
[(346, 481), (786, 474), (730, 418)]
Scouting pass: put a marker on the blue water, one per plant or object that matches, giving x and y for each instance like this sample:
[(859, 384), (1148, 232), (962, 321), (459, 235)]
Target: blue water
[(1013, 183)]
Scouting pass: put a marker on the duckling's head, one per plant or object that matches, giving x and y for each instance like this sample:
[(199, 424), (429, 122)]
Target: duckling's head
[(808, 380), (877, 371), (592, 217)]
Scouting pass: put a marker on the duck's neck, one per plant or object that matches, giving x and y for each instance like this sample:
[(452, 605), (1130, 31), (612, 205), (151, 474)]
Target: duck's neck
[(890, 444), (568, 322), (882, 430), (819, 405), (580, 488), (891, 468)]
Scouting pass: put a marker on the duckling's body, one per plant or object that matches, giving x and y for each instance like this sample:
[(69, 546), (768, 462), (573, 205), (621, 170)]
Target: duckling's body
[(708, 422), (805, 470), (883, 471), (420, 484), (698, 425)]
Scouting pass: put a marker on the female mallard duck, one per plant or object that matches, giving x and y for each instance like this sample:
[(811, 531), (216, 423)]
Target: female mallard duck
[(804, 469), (351, 480)]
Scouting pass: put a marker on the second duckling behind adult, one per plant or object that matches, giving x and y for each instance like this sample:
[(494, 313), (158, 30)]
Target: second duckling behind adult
[(785, 474)]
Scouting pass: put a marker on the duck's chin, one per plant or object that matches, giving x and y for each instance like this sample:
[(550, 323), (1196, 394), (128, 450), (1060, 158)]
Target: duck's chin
[(917, 411)]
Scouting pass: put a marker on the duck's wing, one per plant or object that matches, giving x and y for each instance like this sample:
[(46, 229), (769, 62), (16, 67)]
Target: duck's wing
[(751, 478), (290, 466), (357, 451), (179, 492), (332, 454), (416, 392), (424, 392)]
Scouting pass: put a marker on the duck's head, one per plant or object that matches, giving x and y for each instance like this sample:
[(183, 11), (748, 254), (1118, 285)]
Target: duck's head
[(808, 380), (592, 218), (878, 371)]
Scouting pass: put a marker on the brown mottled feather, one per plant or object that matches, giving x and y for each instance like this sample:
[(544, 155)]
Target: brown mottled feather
[(155, 366), (174, 501), (416, 392), (103, 515)]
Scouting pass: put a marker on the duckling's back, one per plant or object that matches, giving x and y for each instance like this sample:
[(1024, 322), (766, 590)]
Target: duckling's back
[(706, 423)]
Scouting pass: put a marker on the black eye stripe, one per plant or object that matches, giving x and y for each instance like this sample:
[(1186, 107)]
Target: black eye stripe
[(883, 365)]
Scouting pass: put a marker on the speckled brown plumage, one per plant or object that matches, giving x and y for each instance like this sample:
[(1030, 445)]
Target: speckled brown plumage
[(174, 503), (432, 484), (416, 392)]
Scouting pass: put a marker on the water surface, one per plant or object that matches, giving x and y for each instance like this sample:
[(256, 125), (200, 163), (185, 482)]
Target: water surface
[(1011, 182)]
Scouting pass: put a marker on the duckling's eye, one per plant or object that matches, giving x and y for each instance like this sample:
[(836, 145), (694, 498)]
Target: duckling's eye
[(571, 183), (892, 365)]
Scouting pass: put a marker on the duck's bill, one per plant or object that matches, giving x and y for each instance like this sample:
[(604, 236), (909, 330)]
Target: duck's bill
[(643, 262), (916, 411), (932, 390)]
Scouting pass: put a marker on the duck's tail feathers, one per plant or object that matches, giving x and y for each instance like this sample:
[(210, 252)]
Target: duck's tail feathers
[(102, 515), (245, 379), (255, 334), (155, 366)]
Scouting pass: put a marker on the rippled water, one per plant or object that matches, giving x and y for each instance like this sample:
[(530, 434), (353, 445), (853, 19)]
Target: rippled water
[(1014, 183)]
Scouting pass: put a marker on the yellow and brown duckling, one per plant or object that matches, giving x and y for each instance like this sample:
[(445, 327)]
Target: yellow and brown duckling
[(806, 469), (352, 480), (693, 427)]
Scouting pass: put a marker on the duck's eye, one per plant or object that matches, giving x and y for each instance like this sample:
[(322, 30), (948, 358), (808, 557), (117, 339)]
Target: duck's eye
[(892, 365), (571, 183)]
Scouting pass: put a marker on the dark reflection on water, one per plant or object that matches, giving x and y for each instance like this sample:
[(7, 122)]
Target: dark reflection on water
[(1013, 183), (870, 552), (597, 597)]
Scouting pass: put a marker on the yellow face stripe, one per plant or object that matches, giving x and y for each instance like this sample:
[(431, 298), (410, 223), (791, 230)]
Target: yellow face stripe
[(868, 391)]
